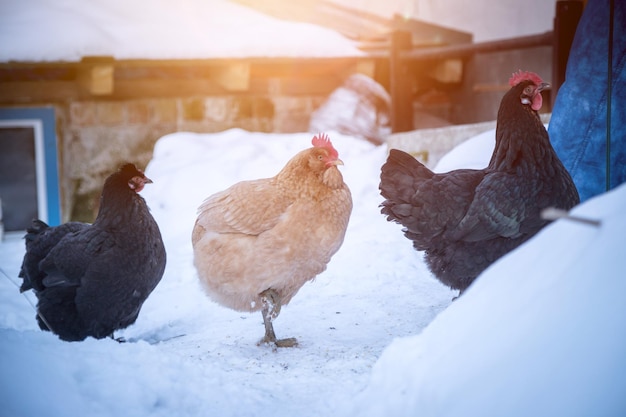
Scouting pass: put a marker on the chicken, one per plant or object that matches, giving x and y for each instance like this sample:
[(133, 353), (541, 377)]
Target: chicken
[(466, 219), (91, 280), (256, 243)]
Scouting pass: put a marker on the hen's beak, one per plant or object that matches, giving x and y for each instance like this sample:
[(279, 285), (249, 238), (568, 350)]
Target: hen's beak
[(543, 86), (136, 183), (335, 162)]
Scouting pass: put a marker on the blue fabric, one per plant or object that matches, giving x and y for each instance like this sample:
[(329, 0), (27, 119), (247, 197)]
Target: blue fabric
[(578, 127)]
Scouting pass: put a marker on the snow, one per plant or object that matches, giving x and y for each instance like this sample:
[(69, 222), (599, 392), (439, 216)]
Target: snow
[(473, 153), (540, 333), (188, 356), (67, 30), (486, 20)]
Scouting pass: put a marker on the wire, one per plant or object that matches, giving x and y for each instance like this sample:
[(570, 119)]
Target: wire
[(29, 302)]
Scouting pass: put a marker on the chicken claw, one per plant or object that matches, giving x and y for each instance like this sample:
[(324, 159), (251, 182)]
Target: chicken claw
[(271, 309)]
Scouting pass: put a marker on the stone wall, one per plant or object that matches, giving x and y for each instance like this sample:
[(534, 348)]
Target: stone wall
[(96, 136)]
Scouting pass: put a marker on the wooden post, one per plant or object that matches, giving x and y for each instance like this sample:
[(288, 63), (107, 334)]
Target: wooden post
[(401, 83), (567, 15)]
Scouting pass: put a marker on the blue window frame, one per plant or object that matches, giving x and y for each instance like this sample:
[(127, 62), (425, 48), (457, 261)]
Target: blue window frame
[(38, 127)]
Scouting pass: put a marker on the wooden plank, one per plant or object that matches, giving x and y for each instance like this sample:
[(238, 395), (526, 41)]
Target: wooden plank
[(151, 88), (95, 75), (10, 73), (296, 86), (126, 79), (97, 80), (54, 91), (38, 91), (233, 77), (310, 67)]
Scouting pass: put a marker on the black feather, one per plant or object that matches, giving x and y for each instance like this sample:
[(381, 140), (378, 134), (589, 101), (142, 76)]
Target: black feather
[(91, 280), (464, 220)]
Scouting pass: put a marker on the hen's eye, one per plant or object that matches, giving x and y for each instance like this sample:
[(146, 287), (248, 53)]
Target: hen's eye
[(319, 157), (528, 90)]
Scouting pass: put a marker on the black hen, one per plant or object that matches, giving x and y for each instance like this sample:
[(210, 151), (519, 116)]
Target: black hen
[(91, 280), (466, 219)]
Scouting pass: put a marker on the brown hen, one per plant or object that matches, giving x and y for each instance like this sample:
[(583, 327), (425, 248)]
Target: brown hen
[(257, 242)]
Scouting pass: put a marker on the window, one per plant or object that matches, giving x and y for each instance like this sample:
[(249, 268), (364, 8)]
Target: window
[(29, 183)]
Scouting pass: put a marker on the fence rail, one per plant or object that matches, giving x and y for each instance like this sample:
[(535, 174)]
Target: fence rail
[(402, 55)]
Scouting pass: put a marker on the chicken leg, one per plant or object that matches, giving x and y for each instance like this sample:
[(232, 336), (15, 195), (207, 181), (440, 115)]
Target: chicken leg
[(271, 310)]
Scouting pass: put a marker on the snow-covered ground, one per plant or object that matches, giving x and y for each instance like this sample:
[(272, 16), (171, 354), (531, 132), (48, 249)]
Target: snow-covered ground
[(543, 332), (189, 356)]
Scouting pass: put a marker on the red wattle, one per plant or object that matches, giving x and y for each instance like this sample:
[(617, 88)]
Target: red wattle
[(537, 102)]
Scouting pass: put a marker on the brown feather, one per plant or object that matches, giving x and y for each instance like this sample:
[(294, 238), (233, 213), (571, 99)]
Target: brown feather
[(273, 233)]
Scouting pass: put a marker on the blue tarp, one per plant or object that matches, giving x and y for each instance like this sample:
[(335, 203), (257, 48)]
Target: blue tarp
[(578, 127)]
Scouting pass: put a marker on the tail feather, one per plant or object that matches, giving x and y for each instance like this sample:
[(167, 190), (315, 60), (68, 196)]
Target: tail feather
[(36, 228), (40, 239), (400, 178), (29, 270)]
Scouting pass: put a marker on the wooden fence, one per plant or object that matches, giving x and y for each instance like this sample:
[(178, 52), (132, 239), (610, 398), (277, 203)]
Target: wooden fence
[(403, 56)]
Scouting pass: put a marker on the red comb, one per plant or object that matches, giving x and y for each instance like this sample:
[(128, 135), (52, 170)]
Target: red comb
[(519, 76), (322, 140)]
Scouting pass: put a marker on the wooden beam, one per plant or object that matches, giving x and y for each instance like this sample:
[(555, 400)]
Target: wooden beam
[(103, 77), (16, 92), (152, 88), (233, 77), (95, 75)]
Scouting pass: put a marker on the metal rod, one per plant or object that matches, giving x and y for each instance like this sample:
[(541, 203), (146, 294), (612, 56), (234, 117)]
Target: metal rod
[(552, 213)]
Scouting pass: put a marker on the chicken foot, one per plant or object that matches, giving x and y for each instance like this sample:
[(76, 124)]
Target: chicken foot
[(271, 309)]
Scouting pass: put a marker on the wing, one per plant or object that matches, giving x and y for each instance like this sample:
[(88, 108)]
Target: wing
[(502, 207), (248, 207), (69, 260), (426, 204), (439, 204)]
